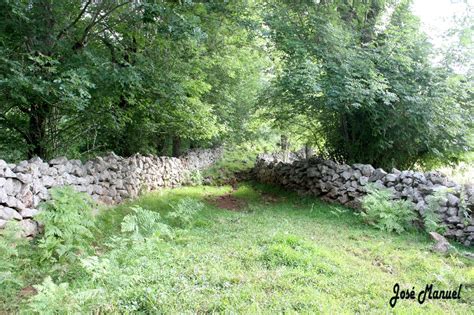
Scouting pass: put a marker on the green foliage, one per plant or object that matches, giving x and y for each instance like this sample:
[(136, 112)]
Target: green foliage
[(83, 77), (68, 226), (386, 214), (195, 178), (241, 157), (464, 212), (54, 298), (12, 245), (362, 90), (287, 256), (183, 211), (143, 223), (431, 220)]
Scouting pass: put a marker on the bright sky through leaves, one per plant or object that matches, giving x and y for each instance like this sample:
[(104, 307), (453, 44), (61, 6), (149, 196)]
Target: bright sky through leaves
[(436, 16)]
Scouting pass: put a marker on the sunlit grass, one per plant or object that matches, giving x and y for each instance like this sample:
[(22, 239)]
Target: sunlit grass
[(280, 254)]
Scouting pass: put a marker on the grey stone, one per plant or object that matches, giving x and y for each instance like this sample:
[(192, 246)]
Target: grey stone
[(356, 174), (391, 178), (48, 181), (7, 213), (35, 160), (58, 160), (406, 174), (419, 177), (443, 201), (8, 173), (420, 207), (25, 178), (378, 174), (29, 227), (379, 184), (452, 211), (346, 175), (313, 172), (367, 170), (343, 199), (442, 245), (395, 171), (454, 219), (363, 180), (357, 166), (28, 213), (441, 209), (452, 200)]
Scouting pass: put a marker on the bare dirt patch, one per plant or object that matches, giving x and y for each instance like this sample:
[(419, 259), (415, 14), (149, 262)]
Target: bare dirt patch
[(27, 292), (227, 202), (268, 198)]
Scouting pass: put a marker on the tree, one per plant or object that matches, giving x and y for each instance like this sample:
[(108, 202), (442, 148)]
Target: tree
[(367, 92), (83, 77)]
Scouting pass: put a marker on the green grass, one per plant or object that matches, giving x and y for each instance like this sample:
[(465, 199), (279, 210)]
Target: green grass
[(292, 255), (238, 158)]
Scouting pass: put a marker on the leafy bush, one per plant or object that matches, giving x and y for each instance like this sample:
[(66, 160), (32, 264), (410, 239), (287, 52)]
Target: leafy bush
[(143, 223), (385, 213), (194, 178), (184, 210), (68, 224)]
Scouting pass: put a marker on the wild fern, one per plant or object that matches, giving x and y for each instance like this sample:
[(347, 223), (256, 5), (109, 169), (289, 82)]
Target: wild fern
[(143, 223), (184, 210), (385, 213), (431, 220), (68, 224), (12, 247)]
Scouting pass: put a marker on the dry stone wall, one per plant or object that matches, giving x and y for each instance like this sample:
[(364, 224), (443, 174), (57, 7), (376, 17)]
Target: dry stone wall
[(109, 180), (346, 184)]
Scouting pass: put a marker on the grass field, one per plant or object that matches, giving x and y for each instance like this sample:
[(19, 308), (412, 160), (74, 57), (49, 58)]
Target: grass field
[(276, 252)]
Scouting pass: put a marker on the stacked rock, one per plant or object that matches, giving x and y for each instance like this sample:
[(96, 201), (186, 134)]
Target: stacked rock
[(347, 184), (108, 180)]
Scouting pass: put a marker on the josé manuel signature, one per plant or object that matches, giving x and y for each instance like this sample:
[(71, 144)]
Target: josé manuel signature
[(428, 293)]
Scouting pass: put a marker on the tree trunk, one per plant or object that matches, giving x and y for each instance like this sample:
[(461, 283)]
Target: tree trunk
[(285, 145), (176, 146), (308, 151), (160, 146), (37, 131)]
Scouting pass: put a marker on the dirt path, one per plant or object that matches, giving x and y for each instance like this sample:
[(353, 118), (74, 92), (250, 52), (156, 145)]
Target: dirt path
[(228, 202)]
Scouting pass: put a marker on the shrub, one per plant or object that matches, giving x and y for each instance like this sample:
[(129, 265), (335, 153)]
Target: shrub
[(195, 178), (385, 213), (68, 224), (143, 223), (184, 210)]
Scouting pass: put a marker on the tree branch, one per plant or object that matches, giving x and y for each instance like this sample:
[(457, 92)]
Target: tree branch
[(81, 43), (61, 34)]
